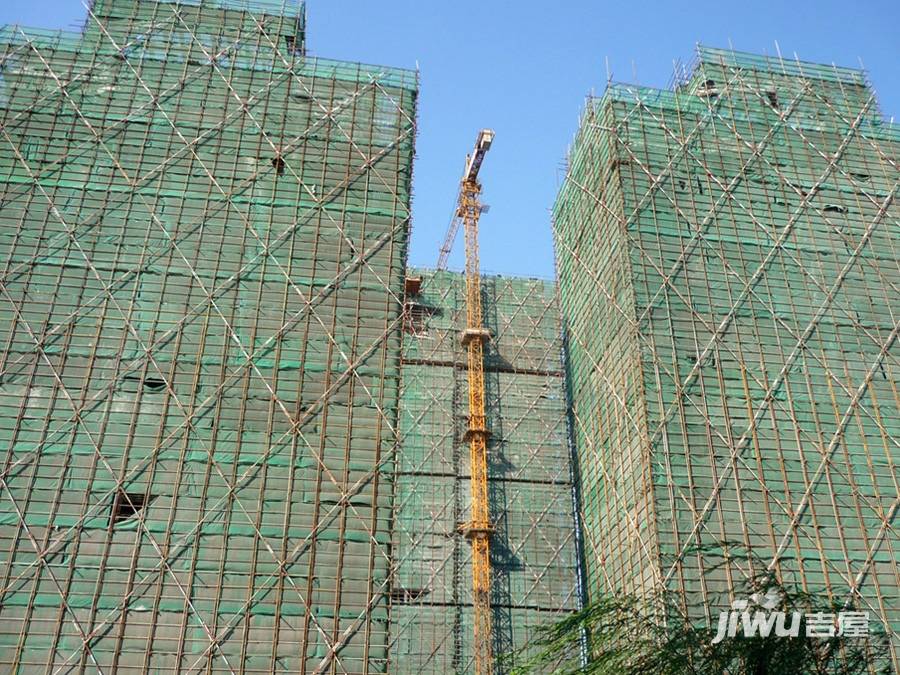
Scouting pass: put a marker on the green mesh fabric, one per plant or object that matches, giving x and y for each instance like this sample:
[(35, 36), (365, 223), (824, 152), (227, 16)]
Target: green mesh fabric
[(203, 235), (727, 267)]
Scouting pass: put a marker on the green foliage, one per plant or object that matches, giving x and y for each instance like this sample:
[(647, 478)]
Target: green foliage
[(650, 636)]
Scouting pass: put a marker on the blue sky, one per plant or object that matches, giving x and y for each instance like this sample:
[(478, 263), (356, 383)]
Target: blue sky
[(523, 68)]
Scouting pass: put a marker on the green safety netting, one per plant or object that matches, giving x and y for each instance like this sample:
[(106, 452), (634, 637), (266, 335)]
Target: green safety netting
[(203, 239), (534, 546), (727, 261)]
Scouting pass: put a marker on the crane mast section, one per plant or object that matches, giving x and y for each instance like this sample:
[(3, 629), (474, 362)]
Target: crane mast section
[(479, 529)]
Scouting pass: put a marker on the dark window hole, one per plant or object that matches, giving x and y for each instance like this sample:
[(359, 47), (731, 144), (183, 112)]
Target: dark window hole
[(401, 595), (154, 385), (127, 505), (695, 360)]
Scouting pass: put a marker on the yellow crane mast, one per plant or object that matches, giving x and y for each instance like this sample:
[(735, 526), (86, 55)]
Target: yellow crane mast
[(478, 529)]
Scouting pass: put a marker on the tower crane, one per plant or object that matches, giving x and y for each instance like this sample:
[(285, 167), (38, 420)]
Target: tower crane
[(478, 529)]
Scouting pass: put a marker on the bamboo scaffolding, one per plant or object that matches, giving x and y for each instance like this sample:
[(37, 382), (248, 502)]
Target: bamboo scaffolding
[(533, 548), (204, 234), (727, 267)]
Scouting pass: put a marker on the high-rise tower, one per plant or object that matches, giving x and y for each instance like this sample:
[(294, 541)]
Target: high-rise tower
[(203, 234), (727, 260)]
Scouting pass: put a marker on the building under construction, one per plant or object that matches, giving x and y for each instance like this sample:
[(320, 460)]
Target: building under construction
[(236, 428), (727, 263), (533, 546), (204, 236), (234, 425)]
